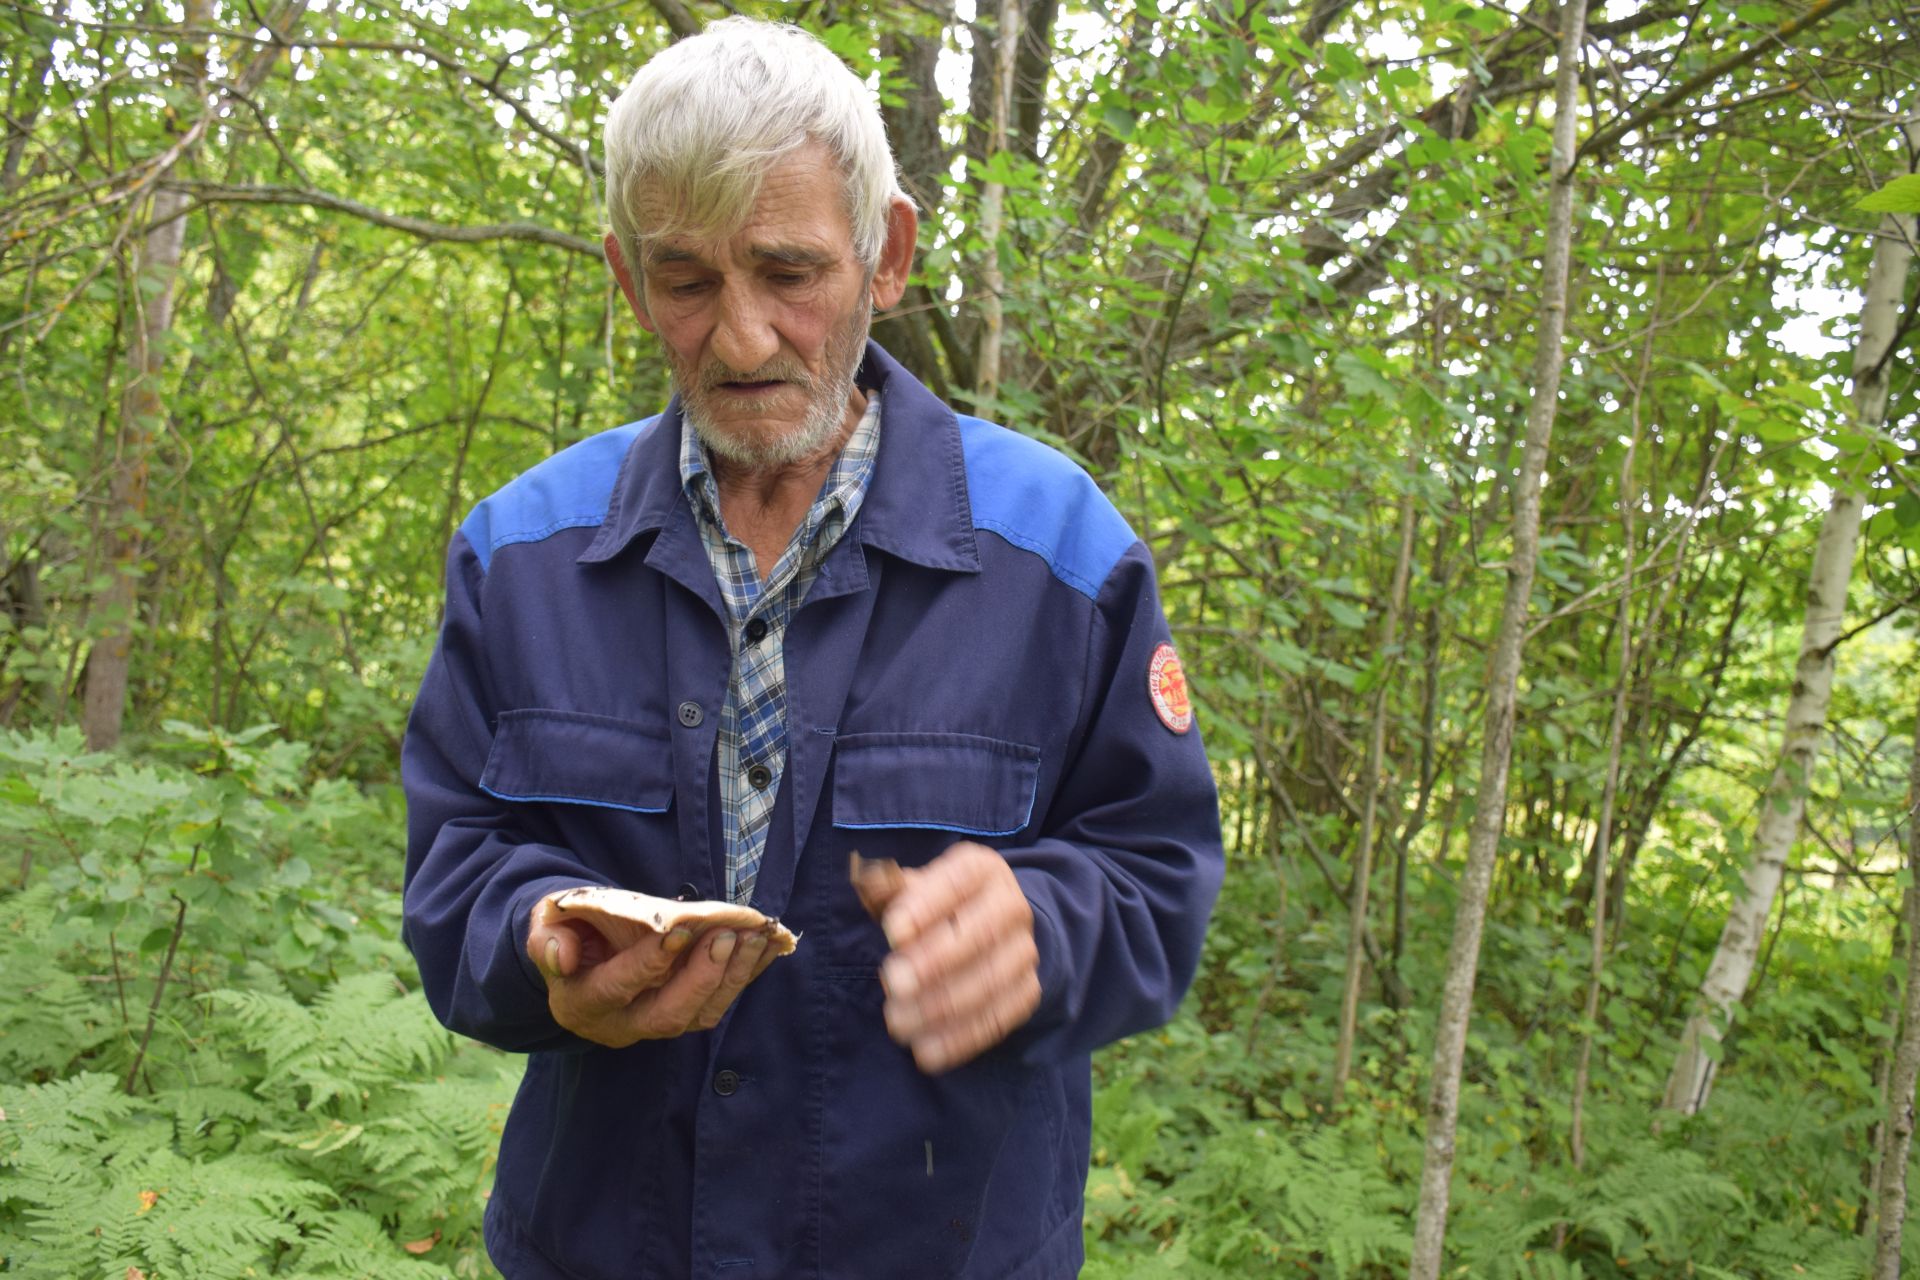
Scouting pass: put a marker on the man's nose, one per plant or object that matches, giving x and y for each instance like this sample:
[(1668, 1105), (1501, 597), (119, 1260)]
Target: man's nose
[(743, 335)]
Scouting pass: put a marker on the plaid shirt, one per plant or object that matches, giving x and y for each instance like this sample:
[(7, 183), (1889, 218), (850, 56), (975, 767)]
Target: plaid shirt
[(753, 724)]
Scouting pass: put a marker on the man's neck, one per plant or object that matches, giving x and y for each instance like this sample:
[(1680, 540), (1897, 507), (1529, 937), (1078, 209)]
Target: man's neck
[(762, 506)]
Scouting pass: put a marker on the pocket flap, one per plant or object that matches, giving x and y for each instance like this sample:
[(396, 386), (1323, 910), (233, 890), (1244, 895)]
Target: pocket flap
[(943, 781), (571, 757)]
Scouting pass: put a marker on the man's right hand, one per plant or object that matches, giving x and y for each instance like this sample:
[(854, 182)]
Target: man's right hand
[(660, 987)]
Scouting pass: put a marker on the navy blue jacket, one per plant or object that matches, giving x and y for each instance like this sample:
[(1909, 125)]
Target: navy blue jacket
[(973, 662)]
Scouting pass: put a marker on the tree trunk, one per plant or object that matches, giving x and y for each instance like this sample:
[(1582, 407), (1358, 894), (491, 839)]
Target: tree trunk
[(1369, 806), (924, 157), (1490, 801), (105, 702), (993, 197), (1784, 803), (1892, 1177), (1610, 789), (1874, 1166), (156, 268)]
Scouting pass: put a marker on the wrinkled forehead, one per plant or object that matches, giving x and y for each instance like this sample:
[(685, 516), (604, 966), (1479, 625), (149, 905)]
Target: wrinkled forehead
[(795, 212)]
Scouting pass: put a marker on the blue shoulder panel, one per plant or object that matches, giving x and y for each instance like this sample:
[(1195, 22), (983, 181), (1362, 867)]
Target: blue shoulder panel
[(570, 490), (1038, 499)]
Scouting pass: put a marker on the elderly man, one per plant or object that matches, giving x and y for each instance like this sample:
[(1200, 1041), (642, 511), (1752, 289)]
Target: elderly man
[(805, 611)]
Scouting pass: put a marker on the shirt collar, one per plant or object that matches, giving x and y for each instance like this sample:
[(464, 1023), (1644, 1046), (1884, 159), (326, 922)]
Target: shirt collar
[(916, 504)]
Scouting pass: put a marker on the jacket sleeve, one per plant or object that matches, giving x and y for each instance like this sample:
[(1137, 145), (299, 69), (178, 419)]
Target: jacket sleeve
[(472, 879), (1126, 873)]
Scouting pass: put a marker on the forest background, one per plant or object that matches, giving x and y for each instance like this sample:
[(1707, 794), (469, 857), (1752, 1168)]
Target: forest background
[(1564, 736)]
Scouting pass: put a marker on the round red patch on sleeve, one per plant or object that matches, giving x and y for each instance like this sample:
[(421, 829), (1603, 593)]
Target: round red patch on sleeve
[(1167, 686)]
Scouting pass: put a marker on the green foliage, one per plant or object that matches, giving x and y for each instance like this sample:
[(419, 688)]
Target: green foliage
[(296, 1111), (1215, 1154), (1274, 286)]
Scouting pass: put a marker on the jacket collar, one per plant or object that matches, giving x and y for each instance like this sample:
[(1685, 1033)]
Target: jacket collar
[(916, 507)]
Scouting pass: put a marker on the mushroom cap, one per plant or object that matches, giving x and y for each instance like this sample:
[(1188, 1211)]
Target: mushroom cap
[(624, 917)]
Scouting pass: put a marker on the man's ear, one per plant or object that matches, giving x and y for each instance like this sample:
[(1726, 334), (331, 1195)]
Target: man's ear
[(896, 256), (617, 260)]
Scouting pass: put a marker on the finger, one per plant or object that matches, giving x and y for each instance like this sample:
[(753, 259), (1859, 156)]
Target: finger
[(742, 968), (767, 957), (622, 976), (595, 947), (937, 890), (1004, 974), (554, 952), (949, 1046), (989, 921), (877, 880), (672, 1008), (561, 948)]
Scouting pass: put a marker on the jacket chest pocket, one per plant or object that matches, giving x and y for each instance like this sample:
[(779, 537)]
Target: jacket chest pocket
[(572, 757), (954, 782)]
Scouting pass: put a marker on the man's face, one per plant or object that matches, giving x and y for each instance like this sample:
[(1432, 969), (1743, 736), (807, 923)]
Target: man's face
[(765, 328)]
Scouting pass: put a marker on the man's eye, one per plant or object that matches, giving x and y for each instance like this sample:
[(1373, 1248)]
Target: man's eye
[(787, 279), (688, 288)]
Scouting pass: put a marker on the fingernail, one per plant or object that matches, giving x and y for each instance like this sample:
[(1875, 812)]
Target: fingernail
[(896, 975), (756, 943), (553, 956), (722, 947), (677, 941)]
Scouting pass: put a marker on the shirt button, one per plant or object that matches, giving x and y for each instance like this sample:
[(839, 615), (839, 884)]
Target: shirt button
[(756, 630), (759, 776), (726, 1082), (690, 714)]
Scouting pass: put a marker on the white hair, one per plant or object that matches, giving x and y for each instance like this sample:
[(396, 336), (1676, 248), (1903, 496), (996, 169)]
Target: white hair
[(705, 119)]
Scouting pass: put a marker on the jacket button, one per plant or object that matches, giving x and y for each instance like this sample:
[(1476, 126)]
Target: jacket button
[(690, 714), (726, 1082), (756, 630), (759, 776)]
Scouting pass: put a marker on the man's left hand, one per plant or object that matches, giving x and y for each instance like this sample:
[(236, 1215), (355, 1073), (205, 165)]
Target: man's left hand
[(964, 971)]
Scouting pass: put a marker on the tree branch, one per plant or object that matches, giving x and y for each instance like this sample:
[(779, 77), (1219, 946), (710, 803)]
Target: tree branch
[(1601, 139), (205, 193), (677, 17)]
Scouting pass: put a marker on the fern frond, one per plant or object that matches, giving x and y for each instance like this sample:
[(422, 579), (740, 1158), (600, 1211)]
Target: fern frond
[(361, 1033), (222, 1219), (49, 1018), (354, 1246)]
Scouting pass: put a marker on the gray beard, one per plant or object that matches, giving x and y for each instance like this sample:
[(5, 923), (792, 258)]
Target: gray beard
[(826, 414)]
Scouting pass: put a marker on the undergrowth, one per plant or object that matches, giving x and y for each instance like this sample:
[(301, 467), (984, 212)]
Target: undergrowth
[(214, 1060), (214, 1063), (1218, 1152)]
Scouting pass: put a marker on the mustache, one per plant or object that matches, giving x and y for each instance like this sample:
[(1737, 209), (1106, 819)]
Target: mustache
[(717, 374)]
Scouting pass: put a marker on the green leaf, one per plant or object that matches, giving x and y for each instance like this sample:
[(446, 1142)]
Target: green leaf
[(1901, 195)]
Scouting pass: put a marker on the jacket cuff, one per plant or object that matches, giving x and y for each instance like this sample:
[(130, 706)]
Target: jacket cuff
[(1052, 967)]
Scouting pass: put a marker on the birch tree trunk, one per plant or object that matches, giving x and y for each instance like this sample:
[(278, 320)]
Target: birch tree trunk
[(1784, 803), (1891, 1210), (993, 203), (1369, 809), (1490, 800)]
